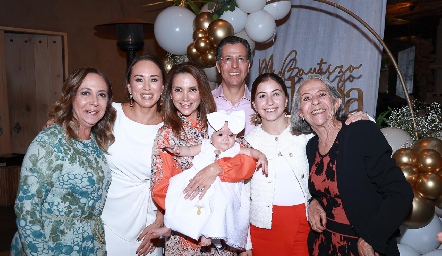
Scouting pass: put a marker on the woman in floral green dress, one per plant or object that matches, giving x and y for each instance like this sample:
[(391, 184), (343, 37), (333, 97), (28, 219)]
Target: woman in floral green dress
[(64, 176)]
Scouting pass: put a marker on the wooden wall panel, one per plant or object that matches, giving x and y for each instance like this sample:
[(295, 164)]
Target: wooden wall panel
[(42, 71), (32, 70), (5, 137), (55, 55), (48, 74), (19, 53), (9, 178)]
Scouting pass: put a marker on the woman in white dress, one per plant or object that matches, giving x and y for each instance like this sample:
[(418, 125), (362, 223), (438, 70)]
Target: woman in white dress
[(129, 209)]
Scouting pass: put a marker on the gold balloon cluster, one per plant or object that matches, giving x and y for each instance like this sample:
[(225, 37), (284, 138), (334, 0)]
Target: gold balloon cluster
[(422, 167), (207, 35)]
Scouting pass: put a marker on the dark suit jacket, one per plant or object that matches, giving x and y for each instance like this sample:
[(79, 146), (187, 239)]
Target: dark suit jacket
[(375, 194)]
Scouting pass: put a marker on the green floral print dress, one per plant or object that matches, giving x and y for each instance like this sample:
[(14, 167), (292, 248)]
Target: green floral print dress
[(62, 191)]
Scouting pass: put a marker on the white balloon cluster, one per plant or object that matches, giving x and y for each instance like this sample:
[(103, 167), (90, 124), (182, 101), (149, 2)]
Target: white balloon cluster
[(253, 20)]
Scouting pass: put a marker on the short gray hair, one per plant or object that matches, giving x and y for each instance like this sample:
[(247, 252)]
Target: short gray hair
[(300, 126)]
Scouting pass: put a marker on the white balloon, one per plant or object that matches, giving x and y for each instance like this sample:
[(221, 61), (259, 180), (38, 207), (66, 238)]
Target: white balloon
[(422, 239), (212, 74), (260, 26), (433, 253), (406, 250), (279, 9), (237, 19), (397, 138), (249, 6), (243, 34), (205, 8), (173, 29)]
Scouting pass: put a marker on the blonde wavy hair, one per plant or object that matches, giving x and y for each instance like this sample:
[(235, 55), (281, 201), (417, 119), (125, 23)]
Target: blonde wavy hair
[(62, 114)]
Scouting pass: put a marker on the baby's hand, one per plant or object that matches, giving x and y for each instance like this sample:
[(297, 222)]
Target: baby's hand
[(174, 150), (262, 161)]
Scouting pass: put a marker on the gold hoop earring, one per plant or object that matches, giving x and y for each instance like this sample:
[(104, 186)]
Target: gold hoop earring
[(131, 102)]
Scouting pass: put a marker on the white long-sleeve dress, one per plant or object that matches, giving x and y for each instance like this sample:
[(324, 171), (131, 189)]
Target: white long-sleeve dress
[(129, 207), (223, 212)]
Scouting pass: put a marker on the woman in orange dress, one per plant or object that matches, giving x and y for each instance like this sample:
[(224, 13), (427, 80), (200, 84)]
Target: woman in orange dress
[(187, 101)]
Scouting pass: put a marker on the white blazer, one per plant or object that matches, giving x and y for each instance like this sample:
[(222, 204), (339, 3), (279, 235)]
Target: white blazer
[(292, 149)]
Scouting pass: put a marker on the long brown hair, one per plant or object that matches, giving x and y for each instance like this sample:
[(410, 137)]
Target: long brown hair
[(206, 106), (61, 112)]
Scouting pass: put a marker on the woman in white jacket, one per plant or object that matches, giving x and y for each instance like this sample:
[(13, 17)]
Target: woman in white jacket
[(278, 201)]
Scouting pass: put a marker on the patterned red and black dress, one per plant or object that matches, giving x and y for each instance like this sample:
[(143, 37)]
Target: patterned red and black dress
[(338, 238)]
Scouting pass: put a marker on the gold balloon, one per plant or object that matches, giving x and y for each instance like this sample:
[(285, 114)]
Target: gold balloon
[(428, 160), (429, 185), (428, 143), (405, 156), (421, 213), (202, 44), (199, 32), (192, 53), (218, 30), (410, 172), (202, 20), (209, 58)]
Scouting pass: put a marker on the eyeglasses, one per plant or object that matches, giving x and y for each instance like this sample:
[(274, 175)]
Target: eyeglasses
[(228, 60)]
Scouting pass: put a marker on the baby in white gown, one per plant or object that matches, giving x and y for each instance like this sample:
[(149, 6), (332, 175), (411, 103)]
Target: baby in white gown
[(223, 212)]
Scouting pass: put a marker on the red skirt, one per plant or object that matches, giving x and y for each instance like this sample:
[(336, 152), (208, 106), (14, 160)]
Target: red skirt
[(288, 235)]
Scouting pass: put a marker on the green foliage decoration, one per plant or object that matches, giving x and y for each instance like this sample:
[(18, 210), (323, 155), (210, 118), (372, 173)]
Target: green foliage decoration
[(218, 6)]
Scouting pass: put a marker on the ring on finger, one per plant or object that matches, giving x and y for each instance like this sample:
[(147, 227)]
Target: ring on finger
[(200, 189)]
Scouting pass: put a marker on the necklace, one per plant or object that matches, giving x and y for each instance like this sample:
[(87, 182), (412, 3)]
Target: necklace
[(135, 119)]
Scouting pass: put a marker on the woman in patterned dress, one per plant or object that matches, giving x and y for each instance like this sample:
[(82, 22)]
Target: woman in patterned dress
[(187, 101), (360, 197), (64, 177)]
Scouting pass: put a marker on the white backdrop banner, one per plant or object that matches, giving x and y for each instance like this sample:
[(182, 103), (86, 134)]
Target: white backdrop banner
[(318, 38)]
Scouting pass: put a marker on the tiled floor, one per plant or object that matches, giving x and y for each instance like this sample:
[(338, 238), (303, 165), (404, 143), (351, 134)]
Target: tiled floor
[(7, 229)]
